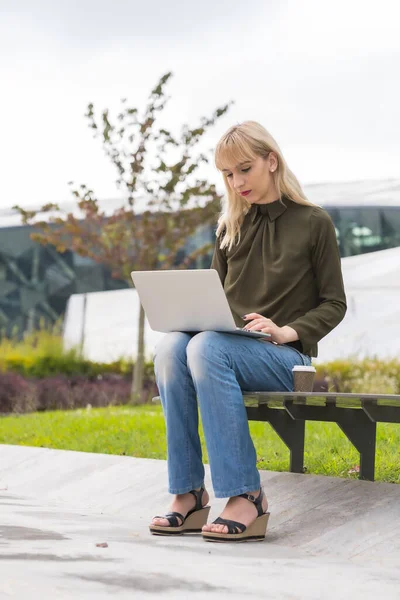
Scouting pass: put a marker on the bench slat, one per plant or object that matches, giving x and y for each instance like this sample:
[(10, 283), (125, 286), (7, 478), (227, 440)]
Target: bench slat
[(327, 395)]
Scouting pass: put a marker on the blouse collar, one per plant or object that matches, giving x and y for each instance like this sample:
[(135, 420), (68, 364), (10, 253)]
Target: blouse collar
[(273, 210)]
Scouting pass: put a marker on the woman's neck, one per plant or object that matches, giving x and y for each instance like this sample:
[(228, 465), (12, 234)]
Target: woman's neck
[(271, 196)]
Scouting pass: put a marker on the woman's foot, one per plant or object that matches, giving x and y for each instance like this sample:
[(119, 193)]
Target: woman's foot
[(240, 510), (182, 504)]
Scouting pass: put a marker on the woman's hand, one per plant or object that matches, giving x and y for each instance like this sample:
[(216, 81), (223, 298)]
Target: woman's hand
[(280, 335)]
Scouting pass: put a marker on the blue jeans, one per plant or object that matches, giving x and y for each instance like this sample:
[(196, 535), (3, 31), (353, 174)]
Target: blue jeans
[(209, 370)]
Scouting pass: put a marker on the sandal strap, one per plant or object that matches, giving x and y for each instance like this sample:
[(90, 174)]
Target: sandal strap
[(198, 494), (256, 501), (233, 526), (172, 518)]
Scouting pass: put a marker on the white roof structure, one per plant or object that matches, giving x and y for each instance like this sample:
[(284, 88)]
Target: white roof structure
[(371, 326), (384, 192)]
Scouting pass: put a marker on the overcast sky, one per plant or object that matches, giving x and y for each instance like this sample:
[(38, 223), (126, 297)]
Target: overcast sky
[(321, 75)]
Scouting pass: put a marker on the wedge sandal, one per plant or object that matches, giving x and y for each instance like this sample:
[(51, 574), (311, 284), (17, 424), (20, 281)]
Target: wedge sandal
[(237, 532), (192, 523)]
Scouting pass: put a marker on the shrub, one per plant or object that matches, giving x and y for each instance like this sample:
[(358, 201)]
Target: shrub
[(16, 394), (36, 374), (369, 375), (41, 354), (65, 393), (60, 392)]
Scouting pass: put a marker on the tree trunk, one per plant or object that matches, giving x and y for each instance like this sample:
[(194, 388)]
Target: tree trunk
[(137, 380)]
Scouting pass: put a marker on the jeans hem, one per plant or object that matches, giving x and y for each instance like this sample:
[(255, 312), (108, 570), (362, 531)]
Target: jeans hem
[(237, 491), (185, 489)]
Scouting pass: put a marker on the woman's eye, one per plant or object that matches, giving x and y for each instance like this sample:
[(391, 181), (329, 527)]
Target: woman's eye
[(229, 175)]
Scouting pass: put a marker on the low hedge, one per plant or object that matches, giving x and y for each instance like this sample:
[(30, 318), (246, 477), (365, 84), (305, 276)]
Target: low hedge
[(60, 392), (69, 363), (37, 374), (369, 375), (41, 354)]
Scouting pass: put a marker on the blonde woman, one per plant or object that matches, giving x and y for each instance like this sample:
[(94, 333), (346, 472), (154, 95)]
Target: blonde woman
[(278, 260)]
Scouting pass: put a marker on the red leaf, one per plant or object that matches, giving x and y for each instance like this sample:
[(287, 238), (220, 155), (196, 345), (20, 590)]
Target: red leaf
[(355, 469)]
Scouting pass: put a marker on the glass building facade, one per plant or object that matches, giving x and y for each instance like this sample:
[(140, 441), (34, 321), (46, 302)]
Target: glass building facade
[(36, 281), (365, 229)]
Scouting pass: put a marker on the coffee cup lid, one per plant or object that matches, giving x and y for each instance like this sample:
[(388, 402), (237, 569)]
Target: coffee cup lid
[(304, 368)]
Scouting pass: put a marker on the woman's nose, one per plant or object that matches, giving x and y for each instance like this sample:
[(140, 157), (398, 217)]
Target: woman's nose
[(238, 183)]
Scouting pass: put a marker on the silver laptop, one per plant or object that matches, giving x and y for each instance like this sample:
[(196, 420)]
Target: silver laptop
[(187, 300)]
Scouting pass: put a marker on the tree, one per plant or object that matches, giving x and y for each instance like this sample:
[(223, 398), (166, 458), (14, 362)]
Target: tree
[(164, 202)]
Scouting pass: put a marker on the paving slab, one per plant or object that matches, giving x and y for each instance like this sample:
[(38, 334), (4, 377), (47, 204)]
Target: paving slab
[(328, 538)]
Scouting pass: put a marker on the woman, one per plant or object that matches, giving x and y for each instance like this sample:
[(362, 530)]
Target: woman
[(278, 260)]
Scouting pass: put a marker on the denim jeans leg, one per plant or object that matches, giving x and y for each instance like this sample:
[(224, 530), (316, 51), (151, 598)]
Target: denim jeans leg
[(222, 367), (179, 402)]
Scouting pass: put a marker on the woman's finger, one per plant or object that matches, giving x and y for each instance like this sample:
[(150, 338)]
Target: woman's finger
[(258, 324), (249, 316), (253, 316), (254, 322)]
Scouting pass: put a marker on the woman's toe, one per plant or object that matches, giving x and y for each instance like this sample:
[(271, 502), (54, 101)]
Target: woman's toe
[(160, 522), (215, 528)]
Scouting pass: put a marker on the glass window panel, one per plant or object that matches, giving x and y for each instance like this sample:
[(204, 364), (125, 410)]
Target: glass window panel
[(390, 226), (366, 229), (347, 221)]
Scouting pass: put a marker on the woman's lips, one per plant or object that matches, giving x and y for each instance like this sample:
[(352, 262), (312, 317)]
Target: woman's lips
[(245, 193)]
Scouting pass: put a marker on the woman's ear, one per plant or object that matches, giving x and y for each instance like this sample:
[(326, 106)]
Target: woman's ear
[(273, 161)]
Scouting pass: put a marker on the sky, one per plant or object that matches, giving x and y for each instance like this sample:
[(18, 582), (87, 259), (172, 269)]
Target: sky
[(321, 76)]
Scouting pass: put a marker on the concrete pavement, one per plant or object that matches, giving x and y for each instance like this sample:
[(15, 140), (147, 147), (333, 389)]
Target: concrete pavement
[(327, 538)]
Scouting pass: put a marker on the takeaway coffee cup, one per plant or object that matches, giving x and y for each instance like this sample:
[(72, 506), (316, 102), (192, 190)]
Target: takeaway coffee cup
[(303, 378)]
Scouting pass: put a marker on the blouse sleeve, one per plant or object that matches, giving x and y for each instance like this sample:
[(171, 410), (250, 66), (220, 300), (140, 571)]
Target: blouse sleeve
[(325, 257), (219, 262)]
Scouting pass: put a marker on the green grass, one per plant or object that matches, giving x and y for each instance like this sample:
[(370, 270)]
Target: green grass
[(140, 431)]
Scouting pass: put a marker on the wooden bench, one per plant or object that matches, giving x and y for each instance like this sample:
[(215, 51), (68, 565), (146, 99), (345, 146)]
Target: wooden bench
[(356, 415)]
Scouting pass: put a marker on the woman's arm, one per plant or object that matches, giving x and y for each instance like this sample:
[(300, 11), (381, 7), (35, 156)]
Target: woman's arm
[(325, 257), (219, 262)]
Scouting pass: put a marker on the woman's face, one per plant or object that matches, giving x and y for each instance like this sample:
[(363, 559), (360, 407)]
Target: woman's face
[(253, 180)]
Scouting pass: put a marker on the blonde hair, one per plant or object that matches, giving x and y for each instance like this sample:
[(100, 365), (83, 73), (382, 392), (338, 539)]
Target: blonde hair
[(239, 144)]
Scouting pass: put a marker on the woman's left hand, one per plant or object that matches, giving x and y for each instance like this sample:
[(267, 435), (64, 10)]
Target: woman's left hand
[(280, 335)]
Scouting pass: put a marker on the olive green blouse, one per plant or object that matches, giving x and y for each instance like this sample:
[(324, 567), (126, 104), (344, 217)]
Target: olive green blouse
[(287, 268)]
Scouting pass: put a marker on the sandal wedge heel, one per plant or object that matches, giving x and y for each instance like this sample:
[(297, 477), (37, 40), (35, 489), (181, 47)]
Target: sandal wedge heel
[(192, 523), (237, 532)]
